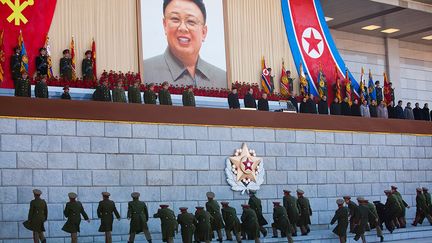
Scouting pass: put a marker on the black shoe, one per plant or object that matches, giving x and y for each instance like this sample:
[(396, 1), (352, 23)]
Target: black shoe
[(308, 231), (220, 240), (229, 239), (44, 241), (381, 238), (304, 234), (149, 241), (295, 234)]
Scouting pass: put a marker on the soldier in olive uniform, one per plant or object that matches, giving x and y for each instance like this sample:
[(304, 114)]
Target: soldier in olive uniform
[(187, 221), (250, 225), (105, 212), (87, 66), (138, 216), (164, 95), (255, 204), (427, 197), (73, 212), (290, 204), (168, 223), (134, 92), (203, 230), (65, 95), (281, 222), (352, 206), (118, 93), (37, 216), (15, 66), (364, 215), (232, 223), (23, 86), (149, 95), (42, 62), (422, 210), (393, 208), (102, 92), (374, 223), (188, 97), (341, 216), (41, 87), (305, 212), (403, 204), (66, 66), (213, 208)]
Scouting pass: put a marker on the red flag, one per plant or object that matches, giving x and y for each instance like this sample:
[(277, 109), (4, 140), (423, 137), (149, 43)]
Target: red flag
[(265, 78), (387, 90), (72, 51), (94, 58), (348, 88), (338, 88), (2, 57), (284, 89)]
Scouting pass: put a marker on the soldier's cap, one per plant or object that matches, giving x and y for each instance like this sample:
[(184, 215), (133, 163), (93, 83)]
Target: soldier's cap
[(210, 194), (106, 194), (37, 192), (366, 200), (42, 49), (425, 189), (135, 194), (24, 71), (419, 189), (165, 83), (225, 203), (347, 197), (376, 202), (72, 195), (276, 203), (199, 207), (150, 85), (286, 191), (88, 52), (299, 191), (164, 206), (183, 209), (66, 51), (394, 187), (340, 201), (387, 191), (360, 199), (245, 206)]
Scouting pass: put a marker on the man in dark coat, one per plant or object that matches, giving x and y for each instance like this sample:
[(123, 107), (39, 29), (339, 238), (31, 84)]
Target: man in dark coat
[(37, 216), (102, 92), (203, 228), (426, 115), (138, 215), (305, 212), (42, 62), (281, 222), (379, 92), (23, 86), (66, 94), (233, 100), (291, 206), (418, 113), (391, 111), (373, 109), (335, 108), (323, 106), (311, 105), (87, 66), (249, 100), (341, 216), (15, 65), (255, 204), (105, 212), (41, 87), (188, 97), (165, 95), (352, 206), (168, 223), (213, 208), (73, 212), (355, 108), (232, 223), (345, 107), (304, 106), (66, 66), (150, 96), (364, 216), (250, 225), (134, 92), (294, 102), (263, 104), (399, 110), (187, 221)]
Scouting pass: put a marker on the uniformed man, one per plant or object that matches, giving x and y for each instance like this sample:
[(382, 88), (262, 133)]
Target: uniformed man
[(232, 223), (66, 66), (15, 66), (422, 211), (363, 217), (341, 216), (255, 204), (168, 223), (37, 216), (188, 96), (203, 229), (118, 93), (105, 212), (23, 86), (352, 206), (290, 83), (233, 99), (149, 95), (374, 222), (41, 87), (187, 221), (305, 212), (87, 67), (102, 92), (291, 206), (164, 94), (281, 222), (393, 208), (403, 205), (134, 92), (42, 62), (65, 95), (250, 224), (427, 197), (213, 208), (138, 216), (73, 212)]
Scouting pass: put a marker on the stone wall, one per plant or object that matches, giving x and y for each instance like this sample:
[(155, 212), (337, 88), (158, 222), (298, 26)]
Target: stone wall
[(179, 164)]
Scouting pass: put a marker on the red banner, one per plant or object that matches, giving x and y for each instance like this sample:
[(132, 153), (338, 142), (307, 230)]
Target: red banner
[(33, 18)]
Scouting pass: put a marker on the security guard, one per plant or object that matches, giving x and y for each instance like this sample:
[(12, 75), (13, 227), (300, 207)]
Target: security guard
[(255, 204), (187, 221), (203, 230), (363, 217), (341, 216), (250, 225), (105, 212), (138, 216), (291, 206), (423, 211), (118, 93), (393, 208), (23, 86), (374, 222), (87, 67), (66, 66), (168, 223), (73, 212), (42, 62), (213, 208), (37, 216), (232, 223), (281, 222)]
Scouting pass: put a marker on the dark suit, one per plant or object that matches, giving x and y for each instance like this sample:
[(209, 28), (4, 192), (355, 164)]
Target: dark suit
[(249, 101), (263, 104), (233, 101)]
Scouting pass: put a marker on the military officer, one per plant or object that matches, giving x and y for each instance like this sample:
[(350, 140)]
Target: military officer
[(37, 216), (213, 208), (374, 223), (427, 197), (290, 82), (393, 208), (102, 92), (232, 223), (305, 212), (164, 95), (255, 204), (73, 212), (203, 229), (188, 97), (15, 66), (134, 92), (290, 204), (65, 95), (149, 95), (250, 225), (118, 93), (87, 66), (403, 205), (22, 86), (281, 222), (422, 209), (363, 217), (138, 216), (168, 223), (105, 212), (41, 87), (352, 206), (341, 216), (66, 66), (42, 62), (187, 221)]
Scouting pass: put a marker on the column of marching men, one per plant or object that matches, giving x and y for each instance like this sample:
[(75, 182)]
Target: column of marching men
[(200, 227)]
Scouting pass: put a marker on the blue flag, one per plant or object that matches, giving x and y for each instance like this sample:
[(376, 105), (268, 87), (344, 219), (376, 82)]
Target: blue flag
[(371, 88)]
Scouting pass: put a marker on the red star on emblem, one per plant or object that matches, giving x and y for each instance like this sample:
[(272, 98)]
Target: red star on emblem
[(313, 42), (248, 164)]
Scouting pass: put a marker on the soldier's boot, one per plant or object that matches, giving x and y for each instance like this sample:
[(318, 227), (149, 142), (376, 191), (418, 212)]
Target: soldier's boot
[(243, 235), (219, 233), (257, 240), (342, 239), (307, 229), (429, 218), (131, 238), (108, 237), (289, 238), (42, 237), (275, 233), (363, 238), (263, 231), (303, 230), (170, 240), (379, 232), (74, 238), (402, 222), (238, 237), (351, 224), (228, 235), (294, 230), (35, 237), (147, 235)]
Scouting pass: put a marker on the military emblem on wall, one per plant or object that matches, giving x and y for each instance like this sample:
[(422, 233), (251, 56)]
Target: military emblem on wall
[(244, 171)]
